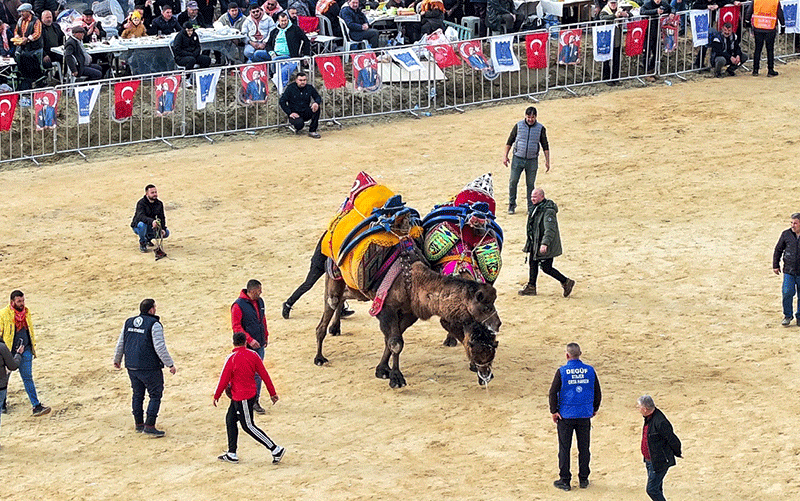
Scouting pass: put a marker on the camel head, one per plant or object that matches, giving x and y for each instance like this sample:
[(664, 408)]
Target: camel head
[(481, 344), (480, 304)]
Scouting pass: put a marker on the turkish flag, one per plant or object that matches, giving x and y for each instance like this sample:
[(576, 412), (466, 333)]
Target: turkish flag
[(728, 14), (444, 55), (123, 98), (536, 48), (332, 71), (634, 43), (8, 105)]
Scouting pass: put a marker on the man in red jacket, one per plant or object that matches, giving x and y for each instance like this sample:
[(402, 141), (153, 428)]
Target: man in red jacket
[(238, 376)]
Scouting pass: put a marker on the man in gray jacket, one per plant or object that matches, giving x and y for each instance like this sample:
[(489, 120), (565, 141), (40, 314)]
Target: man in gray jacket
[(10, 363), (543, 243), (525, 138)]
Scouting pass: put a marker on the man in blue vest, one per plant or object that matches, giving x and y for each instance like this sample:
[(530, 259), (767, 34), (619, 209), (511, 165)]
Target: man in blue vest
[(574, 400), (525, 137), (247, 316), (142, 343)]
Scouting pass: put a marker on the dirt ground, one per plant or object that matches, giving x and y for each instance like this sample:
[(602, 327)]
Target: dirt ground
[(671, 199)]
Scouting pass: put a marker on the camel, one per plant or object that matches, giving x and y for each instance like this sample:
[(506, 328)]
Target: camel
[(419, 292)]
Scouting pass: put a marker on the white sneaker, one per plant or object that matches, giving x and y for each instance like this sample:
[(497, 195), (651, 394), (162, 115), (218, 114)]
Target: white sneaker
[(229, 457), (278, 454)]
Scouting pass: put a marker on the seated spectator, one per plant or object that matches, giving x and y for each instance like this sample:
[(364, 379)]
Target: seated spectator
[(186, 48), (136, 28), (330, 9), (147, 9), (357, 23), (725, 50), (193, 15), (7, 46), (453, 11), (233, 18), (302, 8), (500, 14), (94, 30), (76, 59), (29, 30), (271, 7), (301, 101), (52, 36), (292, 11), (432, 14), (287, 40), (257, 28), (165, 24), (207, 8)]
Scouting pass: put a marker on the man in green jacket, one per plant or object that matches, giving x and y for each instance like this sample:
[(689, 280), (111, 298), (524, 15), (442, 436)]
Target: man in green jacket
[(543, 243)]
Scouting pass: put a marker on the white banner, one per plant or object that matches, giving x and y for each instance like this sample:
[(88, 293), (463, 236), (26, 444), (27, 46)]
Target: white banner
[(205, 84), (603, 42), (86, 97), (406, 58), (503, 57), (790, 15), (283, 75), (699, 19)]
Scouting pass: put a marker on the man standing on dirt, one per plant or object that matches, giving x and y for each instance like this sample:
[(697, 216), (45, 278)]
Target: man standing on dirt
[(660, 446), (526, 137), (574, 400), (788, 246), (148, 218), (248, 317)]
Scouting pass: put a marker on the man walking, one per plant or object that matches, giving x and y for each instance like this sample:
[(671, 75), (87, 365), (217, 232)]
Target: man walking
[(526, 137), (149, 219), (789, 246), (248, 317), (17, 329), (660, 446), (543, 244), (142, 343), (238, 376), (574, 400)]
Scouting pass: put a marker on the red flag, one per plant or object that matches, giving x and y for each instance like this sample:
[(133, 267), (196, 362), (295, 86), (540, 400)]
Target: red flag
[(569, 46), (8, 105), (471, 51), (45, 107), (365, 72), (536, 48), (124, 93), (255, 83), (728, 14), (634, 43), (332, 71), (167, 89), (444, 55)]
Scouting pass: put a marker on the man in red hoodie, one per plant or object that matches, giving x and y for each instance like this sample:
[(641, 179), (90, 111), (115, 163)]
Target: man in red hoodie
[(238, 376), (247, 317)]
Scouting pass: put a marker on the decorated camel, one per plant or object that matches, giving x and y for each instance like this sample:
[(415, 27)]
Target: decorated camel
[(373, 243)]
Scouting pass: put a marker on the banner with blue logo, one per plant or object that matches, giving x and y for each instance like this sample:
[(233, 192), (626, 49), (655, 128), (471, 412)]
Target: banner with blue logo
[(205, 84), (406, 58), (503, 57), (699, 19), (790, 15), (603, 42), (86, 98)]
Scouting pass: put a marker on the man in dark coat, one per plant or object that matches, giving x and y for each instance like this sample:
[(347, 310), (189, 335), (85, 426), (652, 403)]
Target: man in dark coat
[(165, 24), (660, 446), (186, 48), (297, 42), (301, 101), (725, 50), (75, 57), (788, 246), (148, 218), (52, 36), (543, 243)]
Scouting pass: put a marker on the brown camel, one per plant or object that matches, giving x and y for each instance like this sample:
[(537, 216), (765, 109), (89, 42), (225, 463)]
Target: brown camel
[(419, 292)]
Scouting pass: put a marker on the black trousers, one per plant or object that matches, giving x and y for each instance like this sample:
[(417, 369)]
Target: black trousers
[(547, 267), (315, 271), (189, 62), (153, 382), (241, 412), (764, 37), (92, 72), (307, 114), (582, 428), (611, 68)]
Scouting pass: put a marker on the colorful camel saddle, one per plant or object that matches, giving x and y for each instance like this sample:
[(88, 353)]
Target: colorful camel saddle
[(362, 240), (462, 236)]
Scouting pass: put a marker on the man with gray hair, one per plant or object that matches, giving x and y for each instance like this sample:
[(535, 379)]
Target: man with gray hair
[(788, 246), (660, 446)]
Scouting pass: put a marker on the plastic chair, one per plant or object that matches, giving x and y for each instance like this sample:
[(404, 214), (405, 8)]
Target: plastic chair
[(472, 23), (349, 42)]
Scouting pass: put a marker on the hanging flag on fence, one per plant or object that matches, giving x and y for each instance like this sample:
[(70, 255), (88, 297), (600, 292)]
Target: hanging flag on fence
[(634, 43), (283, 75), (365, 72), (790, 15), (670, 26), (730, 14), (167, 89), (332, 71), (569, 46), (472, 52), (603, 37), (8, 106), (124, 93), (439, 48), (536, 48), (45, 105), (86, 97), (255, 84), (406, 58), (205, 84), (503, 57), (699, 19)]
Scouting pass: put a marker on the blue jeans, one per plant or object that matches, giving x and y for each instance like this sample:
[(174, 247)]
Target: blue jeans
[(153, 381), (255, 56), (518, 165), (791, 286), (26, 372), (147, 232), (655, 482), (260, 352)]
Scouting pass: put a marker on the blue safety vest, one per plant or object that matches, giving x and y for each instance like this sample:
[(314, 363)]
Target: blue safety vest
[(576, 398)]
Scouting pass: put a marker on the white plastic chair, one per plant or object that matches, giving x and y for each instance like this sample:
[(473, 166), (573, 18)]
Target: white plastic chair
[(349, 42)]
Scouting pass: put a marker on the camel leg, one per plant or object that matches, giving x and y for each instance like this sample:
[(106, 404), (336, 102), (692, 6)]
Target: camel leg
[(393, 337), (334, 293), (451, 339)]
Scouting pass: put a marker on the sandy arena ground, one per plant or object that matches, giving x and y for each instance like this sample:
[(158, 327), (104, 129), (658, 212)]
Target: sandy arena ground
[(671, 200)]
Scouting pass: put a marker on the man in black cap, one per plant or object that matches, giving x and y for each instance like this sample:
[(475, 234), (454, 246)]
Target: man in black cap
[(94, 30), (77, 60), (186, 48)]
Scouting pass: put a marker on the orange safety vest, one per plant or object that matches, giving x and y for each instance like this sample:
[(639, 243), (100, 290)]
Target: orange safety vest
[(765, 14)]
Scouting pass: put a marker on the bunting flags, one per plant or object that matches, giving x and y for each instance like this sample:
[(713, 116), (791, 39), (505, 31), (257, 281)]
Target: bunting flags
[(167, 89), (124, 93), (86, 97), (8, 106), (503, 57), (206, 86), (365, 72), (699, 19), (603, 37), (406, 58), (634, 43), (283, 75), (789, 15), (730, 14), (332, 71), (255, 83), (472, 52), (45, 105), (536, 48), (569, 46), (439, 48)]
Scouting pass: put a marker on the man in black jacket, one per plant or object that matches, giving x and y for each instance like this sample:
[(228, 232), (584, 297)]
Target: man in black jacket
[(660, 446), (725, 50), (52, 36), (186, 48), (165, 24), (149, 216), (76, 59), (301, 102), (297, 42), (789, 247), (653, 9)]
